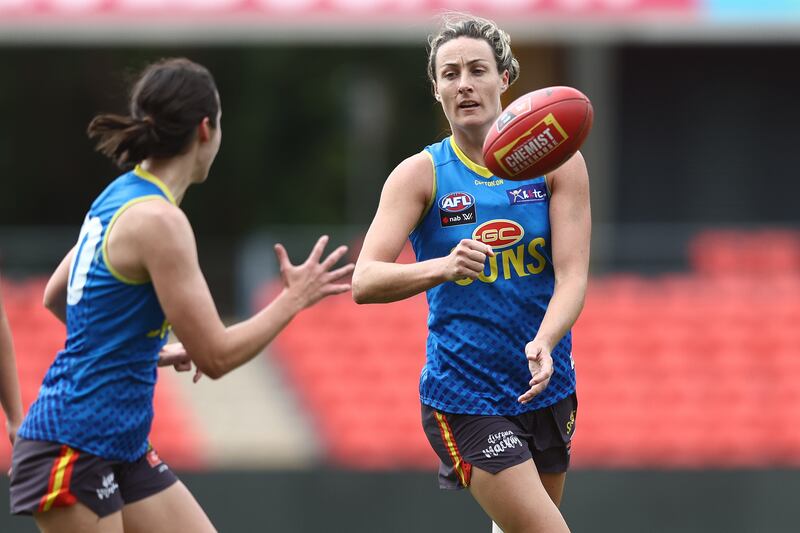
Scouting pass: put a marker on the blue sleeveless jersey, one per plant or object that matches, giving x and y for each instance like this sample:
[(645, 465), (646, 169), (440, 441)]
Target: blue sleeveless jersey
[(98, 394), (477, 330)]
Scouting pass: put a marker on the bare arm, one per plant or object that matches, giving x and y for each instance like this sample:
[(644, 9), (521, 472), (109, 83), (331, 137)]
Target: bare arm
[(172, 265), (10, 397), (55, 293), (377, 278), (571, 226)]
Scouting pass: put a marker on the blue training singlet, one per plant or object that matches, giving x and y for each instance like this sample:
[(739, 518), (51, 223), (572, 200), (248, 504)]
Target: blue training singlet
[(98, 394), (477, 330)]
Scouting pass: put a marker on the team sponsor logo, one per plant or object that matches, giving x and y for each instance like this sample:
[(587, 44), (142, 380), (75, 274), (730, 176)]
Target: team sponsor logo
[(500, 442), (110, 486), (571, 422), (512, 112), (527, 194), (530, 147), (499, 233), (455, 202), (512, 262), (490, 183), (456, 209)]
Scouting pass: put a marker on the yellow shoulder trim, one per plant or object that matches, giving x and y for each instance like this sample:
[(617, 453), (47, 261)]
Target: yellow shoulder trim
[(476, 168), (114, 271), (433, 193), (145, 175)]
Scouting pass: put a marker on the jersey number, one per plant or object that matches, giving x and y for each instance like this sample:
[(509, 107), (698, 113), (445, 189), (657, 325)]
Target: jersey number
[(88, 240)]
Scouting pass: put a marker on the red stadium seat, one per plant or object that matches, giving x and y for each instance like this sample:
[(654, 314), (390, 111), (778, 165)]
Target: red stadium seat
[(690, 370)]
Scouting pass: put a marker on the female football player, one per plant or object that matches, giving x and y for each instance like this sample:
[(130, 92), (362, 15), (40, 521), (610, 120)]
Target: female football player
[(82, 461), (505, 275)]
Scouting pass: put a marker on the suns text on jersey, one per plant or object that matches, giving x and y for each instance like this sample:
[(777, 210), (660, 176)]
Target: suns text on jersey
[(520, 261)]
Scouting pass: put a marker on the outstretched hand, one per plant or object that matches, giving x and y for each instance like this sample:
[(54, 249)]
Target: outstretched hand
[(175, 354), (313, 280), (540, 363)]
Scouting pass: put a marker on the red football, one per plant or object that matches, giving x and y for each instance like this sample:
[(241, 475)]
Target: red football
[(537, 133)]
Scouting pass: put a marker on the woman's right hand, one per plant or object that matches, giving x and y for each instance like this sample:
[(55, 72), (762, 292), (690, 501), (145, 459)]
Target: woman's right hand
[(467, 260), (313, 280)]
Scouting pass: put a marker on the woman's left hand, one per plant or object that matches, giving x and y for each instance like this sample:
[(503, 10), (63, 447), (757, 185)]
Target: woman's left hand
[(175, 354), (540, 363)]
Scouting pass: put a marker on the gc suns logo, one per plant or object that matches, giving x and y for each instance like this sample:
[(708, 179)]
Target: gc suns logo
[(499, 233)]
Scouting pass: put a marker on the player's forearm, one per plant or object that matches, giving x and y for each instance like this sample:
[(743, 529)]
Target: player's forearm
[(58, 306), (382, 282), (55, 293), (245, 340), (563, 310), (10, 398)]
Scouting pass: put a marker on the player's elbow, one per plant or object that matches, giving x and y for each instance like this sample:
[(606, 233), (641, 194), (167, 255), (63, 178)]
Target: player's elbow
[(359, 295), (48, 301), (361, 290), (210, 365), (53, 300), (211, 370)]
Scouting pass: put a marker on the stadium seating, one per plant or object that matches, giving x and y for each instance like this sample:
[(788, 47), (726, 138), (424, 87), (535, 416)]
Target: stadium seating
[(699, 369), (38, 336), (685, 370)]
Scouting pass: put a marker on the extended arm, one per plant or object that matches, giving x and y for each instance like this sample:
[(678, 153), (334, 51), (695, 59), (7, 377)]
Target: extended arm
[(55, 293), (571, 227), (377, 278), (10, 398), (172, 264)]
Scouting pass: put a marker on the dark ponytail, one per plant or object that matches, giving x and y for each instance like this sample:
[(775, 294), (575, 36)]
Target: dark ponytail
[(123, 139), (168, 102)]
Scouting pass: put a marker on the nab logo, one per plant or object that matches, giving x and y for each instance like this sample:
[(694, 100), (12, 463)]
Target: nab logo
[(499, 233), (455, 202)]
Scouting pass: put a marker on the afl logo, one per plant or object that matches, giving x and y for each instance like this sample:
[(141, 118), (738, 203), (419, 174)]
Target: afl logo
[(499, 233), (455, 202)]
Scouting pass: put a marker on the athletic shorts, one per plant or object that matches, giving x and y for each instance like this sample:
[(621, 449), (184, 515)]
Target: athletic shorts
[(47, 474), (495, 443)]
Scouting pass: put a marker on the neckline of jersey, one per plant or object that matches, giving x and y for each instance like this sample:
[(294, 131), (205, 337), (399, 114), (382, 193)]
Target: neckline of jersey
[(152, 178), (470, 164)]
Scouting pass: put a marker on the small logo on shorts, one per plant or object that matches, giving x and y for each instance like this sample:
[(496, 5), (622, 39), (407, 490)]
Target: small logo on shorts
[(500, 442), (109, 487), (571, 422)]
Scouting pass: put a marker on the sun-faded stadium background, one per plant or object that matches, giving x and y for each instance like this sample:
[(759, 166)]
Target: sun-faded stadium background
[(687, 353)]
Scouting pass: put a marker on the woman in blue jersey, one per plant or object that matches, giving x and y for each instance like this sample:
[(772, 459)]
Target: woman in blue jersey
[(10, 398), (82, 461), (505, 267)]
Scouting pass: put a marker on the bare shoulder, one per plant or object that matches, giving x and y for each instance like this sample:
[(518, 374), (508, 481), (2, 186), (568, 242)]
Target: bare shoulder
[(573, 170), (414, 175), (144, 220)]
